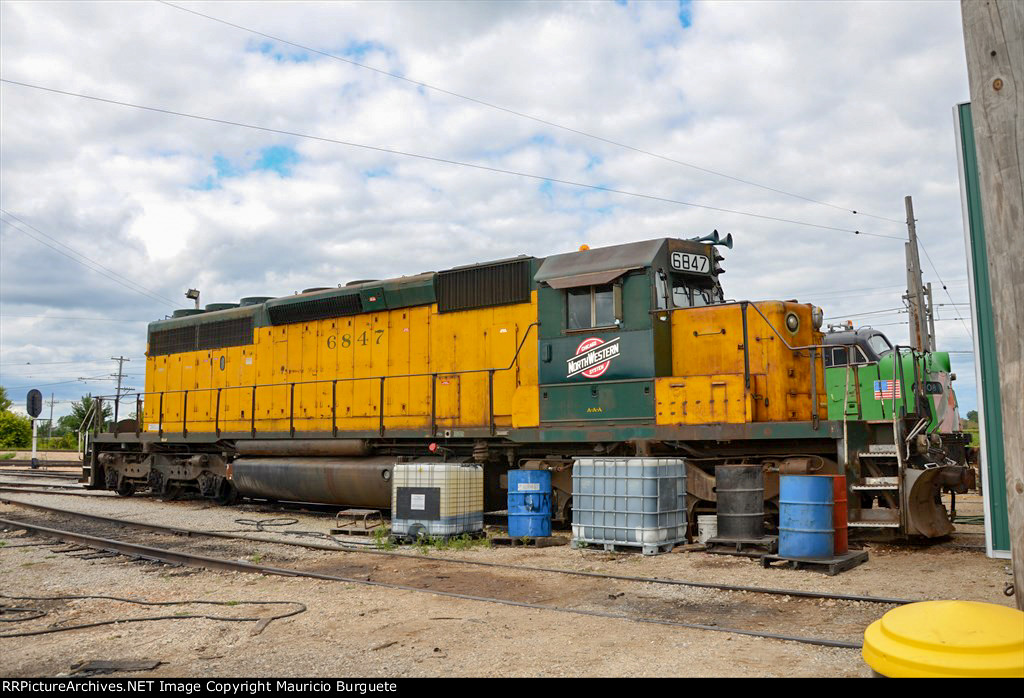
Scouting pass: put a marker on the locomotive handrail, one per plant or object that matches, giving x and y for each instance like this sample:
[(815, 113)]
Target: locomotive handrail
[(333, 381), (811, 351)]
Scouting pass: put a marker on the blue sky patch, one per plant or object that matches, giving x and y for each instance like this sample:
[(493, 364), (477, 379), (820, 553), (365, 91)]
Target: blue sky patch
[(224, 167), (686, 13), (278, 158), (282, 53), (358, 50)]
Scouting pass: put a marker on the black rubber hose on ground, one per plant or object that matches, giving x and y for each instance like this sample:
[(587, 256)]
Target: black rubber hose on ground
[(266, 620)]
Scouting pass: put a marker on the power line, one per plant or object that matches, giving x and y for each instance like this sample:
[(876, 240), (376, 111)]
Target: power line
[(62, 317), (43, 385), (941, 282), (851, 291), (883, 311), (523, 115), (431, 158), (140, 289), (30, 362), (148, 291), (50, 363)]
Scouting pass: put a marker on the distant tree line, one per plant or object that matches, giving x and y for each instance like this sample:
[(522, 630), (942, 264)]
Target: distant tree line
[(16, 430)]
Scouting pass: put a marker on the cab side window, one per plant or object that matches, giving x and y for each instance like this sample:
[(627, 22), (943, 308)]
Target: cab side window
[(835, 357), (590, 306)]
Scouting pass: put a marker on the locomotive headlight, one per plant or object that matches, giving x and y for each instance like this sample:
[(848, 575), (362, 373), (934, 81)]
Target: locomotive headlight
[(817, 317), (792, 322)]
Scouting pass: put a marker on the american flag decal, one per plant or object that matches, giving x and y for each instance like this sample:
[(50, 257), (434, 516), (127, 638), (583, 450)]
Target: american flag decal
[(887, 390)]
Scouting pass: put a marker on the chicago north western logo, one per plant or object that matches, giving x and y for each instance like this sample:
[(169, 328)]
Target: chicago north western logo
[(593, 356)]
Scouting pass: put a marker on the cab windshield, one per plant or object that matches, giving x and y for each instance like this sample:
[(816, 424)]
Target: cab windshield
[(879, 344), (686, 294)]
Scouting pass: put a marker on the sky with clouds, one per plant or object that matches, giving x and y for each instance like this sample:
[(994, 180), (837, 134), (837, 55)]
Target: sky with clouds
[(847, 105)]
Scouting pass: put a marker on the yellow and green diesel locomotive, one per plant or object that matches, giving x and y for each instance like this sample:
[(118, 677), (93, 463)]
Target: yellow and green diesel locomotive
[(527, 362)]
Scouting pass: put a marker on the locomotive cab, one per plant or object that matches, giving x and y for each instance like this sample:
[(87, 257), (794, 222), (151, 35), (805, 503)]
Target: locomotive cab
[(603, 341)]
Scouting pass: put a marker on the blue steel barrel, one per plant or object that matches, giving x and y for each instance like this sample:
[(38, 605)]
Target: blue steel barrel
[(805, 516), (529, 503)]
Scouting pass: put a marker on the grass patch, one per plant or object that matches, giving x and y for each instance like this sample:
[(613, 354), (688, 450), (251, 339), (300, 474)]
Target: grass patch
[(463, 542), (256, 558), (6, 456), (382, 540)]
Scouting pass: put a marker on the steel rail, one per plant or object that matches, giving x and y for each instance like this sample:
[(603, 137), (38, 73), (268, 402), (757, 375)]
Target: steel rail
[(36, 476), (67, 493), (44, 465), (202, 561), (341, 547), (55, 485)]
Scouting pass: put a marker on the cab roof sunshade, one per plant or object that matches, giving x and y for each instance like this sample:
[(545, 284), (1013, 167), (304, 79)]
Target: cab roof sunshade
[(594, 278)]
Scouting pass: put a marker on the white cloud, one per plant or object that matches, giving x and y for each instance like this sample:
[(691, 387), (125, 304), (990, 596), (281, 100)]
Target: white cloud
[(848, 103)]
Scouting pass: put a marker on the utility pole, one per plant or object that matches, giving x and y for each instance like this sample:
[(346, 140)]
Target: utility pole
[(994, 39), (49, 426), (915, 289), (120, 374)]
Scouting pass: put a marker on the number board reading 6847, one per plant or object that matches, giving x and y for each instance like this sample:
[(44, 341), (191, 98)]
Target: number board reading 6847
[(684, 261)]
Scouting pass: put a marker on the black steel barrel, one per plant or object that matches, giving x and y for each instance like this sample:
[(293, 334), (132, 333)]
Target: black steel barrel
[(740, 490)]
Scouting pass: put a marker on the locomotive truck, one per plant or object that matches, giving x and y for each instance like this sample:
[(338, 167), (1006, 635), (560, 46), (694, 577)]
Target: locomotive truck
[(528, 362)]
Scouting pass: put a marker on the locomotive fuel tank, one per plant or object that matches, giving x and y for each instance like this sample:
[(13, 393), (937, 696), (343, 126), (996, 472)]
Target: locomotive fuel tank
[(361, 482)]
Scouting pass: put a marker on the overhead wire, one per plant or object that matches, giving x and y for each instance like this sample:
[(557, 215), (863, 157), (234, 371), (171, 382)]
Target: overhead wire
[(62, 317), (943, 283), (431, 158), (45, 385), (880, 311), (852, 291), (109, 273), (524, 115), (51, 363)]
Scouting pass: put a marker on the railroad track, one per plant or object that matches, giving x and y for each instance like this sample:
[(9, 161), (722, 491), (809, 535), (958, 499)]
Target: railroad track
[(53, 485), (43, 464), (597, 581), (55, 474)]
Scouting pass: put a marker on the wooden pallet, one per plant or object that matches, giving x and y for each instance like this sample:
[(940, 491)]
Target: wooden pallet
[(645, 548), (539, 542), (829, 566), (747, 547)]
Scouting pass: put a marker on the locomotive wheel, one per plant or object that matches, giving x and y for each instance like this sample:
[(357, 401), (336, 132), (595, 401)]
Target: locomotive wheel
[(125, 488), (227, 494), (171, 493)]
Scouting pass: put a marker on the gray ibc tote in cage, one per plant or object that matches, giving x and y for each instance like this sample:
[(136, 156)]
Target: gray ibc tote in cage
[(629, 502), (437, 499)]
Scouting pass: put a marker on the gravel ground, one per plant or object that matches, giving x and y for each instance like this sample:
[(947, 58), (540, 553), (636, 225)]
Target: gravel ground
[(358, 630)]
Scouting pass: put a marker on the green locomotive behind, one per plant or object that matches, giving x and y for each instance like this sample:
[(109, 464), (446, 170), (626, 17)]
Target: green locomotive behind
[(867, 378)]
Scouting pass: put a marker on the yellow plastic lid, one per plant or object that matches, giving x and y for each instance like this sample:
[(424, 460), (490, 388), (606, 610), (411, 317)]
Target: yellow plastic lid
[(947, 639)]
